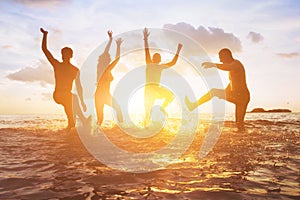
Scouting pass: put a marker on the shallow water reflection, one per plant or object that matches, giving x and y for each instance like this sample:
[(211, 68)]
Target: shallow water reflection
[(38, 162)]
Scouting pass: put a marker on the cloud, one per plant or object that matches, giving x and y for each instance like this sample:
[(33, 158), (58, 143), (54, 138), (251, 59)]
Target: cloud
[(212, 39), (47, 96), (43, 73), (7, 46), (288, 55), (41, 4), (255, 37)]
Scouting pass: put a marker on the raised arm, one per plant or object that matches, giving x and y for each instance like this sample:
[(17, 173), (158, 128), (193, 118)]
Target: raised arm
[(47, 53), (113, 64), (147, 52), (79, 90), (109, 42), (174, 60)]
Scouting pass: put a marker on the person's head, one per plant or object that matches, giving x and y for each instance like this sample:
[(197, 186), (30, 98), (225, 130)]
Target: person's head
[(156, 58), (67, 53), (225, 56)]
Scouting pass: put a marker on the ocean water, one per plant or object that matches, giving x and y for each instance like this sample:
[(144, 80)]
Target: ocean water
[(39, 160)]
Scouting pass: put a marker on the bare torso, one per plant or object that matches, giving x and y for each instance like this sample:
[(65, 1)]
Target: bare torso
[(237, 77), (153, 73), (65, 74)]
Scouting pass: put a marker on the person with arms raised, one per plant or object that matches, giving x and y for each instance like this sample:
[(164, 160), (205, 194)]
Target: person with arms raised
[(153, 89), (65, 74), (102, 94)]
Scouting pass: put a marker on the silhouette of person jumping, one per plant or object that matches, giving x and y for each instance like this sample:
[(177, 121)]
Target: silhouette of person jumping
[(153, 89), (102, 94), (236, 92), (65, 73)]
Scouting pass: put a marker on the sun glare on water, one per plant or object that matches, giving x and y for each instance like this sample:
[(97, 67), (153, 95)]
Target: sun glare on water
[(136, 109)]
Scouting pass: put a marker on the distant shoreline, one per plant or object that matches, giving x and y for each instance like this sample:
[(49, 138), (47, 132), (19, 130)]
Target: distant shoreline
[(261, 110)]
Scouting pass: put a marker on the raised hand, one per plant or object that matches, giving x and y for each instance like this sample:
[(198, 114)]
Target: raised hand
[(208, 64), (146, 33), (43, 31), (179, 47), (119, 41), (110, 33)]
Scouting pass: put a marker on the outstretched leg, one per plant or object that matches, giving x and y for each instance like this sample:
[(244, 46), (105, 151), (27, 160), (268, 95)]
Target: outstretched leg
[(205, 98)]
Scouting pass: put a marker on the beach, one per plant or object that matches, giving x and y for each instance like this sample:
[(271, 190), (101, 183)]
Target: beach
[(41, 161)]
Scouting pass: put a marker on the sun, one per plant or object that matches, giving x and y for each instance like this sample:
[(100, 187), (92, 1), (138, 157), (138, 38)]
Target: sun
[(136, 107)]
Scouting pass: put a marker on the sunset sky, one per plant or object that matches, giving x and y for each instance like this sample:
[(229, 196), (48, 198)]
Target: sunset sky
[(263, 35)]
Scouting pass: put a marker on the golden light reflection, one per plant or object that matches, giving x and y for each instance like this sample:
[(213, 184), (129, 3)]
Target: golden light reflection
[(137, 109), (139, 145), (165, 190)]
